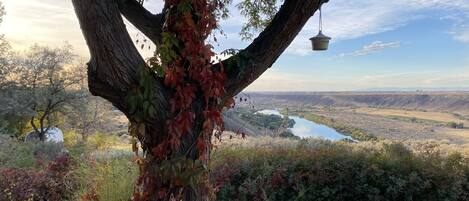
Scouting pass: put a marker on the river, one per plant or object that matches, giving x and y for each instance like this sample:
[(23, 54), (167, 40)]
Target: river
[(304, 128)]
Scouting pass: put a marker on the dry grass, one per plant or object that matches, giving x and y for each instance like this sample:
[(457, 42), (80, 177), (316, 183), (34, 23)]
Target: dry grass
[(253, 142), (462, 133), (419, 146), (431, 116)]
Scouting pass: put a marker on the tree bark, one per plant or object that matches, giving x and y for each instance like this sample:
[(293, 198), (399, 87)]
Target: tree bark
[(113, 70), (149, 24)]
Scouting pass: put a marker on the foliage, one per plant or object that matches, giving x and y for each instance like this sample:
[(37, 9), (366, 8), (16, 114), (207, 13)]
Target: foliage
[(14, 154), (272, 122), (289, 134), (15, 125), (85, 175), (17, 154), (453, 124), (338, 171), (37, 85), (101, 140), (46, 76), (90, 116), (2, 12), (4, 69), (71, 138), (184, 62), (269, 169), (49, 183), (108, 180), (259, 13)]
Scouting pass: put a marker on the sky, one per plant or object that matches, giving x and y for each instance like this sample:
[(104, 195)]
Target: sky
[(375, 43)]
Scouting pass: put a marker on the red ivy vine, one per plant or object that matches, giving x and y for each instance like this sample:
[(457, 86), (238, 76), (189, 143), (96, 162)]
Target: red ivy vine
[(185, 61)]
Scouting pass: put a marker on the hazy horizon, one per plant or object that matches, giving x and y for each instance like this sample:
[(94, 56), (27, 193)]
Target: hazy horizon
[(381, 89)]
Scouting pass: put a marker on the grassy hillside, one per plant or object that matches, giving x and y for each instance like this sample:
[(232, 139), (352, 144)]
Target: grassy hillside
[(434, 101)]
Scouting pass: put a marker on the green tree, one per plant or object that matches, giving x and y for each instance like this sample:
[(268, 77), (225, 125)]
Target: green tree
[(37, 84), (5, 68), (174, 100), (50, 80)]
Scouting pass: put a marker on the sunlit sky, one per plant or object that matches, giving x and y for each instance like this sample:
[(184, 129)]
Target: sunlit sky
[(376, 43)]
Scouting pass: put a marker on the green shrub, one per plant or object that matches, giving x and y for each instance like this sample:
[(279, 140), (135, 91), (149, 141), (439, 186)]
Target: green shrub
[(452, 124), (101, 141), (269, 121), (289, 134), (338, 172), (71, 138), (16, 154)]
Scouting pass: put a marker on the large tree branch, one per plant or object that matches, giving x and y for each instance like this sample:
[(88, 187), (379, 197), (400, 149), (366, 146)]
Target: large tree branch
[(246, 66), (115, 61), (149, 24)]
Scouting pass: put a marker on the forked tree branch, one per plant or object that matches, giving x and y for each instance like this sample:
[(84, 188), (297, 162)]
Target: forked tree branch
[(115, 61)]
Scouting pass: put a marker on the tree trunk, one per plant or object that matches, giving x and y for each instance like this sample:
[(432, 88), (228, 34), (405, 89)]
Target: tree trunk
[(155, 181)]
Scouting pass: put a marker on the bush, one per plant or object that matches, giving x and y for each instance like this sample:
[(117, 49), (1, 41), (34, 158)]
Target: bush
[(338, 172), (71, 138), (102, 141), (15, 154), (50, 183), (289, 134), (455, 125), (269, 121)]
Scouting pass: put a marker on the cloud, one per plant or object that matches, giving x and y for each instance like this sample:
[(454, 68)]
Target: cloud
[(51, 22), (31, 21), (344, 19), (372, 48), (462, 36), (460, 28)]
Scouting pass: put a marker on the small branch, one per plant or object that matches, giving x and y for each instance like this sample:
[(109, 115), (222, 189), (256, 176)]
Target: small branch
[(31, 121), (149, 24)]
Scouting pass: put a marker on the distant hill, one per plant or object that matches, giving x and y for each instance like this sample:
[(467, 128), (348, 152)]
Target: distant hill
[(416, 89), (436, 101)]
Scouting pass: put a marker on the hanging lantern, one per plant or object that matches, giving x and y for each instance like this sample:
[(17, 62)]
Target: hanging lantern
[(320, 42)]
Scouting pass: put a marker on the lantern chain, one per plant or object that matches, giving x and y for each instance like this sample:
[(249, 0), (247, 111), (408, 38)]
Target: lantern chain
[(320, 19)]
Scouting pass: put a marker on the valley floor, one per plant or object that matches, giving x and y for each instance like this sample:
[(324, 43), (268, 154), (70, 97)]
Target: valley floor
[(402, 125)]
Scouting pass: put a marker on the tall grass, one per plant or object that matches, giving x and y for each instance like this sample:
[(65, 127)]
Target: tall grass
[(111, 179)]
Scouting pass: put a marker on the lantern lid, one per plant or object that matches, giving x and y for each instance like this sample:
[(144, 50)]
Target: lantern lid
[(320, 36)]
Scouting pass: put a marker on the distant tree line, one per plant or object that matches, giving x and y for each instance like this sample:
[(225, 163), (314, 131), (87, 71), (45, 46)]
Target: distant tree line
[(453, 124), (271, 122)]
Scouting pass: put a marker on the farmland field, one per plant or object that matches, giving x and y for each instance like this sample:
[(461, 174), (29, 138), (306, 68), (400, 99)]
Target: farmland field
[(430, 116)]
